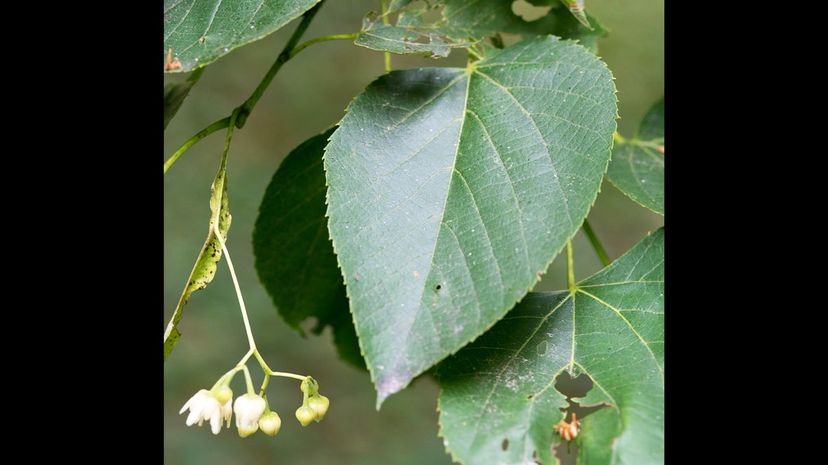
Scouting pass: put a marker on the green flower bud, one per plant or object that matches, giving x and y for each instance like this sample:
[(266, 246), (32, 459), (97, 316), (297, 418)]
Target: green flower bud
[(305, 415), (270, 423), (319, 404), (223, 394)]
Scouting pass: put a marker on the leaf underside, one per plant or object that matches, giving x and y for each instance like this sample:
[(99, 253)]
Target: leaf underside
[(637, 167), (502, 385), (434, 28), (206, 263), (294, 257), (202, 31), (451, 190)]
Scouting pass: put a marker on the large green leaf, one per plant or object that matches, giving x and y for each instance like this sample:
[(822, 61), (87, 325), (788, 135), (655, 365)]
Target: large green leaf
[(201, 31), (175, 93), (451, 190), (205, 266), (501, 387), (294, 256), (637, 166)]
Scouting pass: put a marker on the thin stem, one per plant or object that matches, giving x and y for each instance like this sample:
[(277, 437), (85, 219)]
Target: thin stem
[(248, 380), (264, 384), (270, 372), (223, 379), (317, 40), (249, 331), (596, 244), (283, 57), (287, 375), (220, 124), (386, 55), (570, 268), (228, 139), (245, 358), (246, 107), (655, 144), (262, 362)]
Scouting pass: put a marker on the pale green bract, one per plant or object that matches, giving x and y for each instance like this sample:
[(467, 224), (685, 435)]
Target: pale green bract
[(500, 389), (206, 263), (451, 190)]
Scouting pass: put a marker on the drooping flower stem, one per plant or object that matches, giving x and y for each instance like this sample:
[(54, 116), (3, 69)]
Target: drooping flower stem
[(265, 382), (250, 339), (248, 380)]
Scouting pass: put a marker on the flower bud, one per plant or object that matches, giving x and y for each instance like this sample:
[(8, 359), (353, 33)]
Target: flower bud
[(249, 409), (319, 404), (270, 423), (305, 415), (223, 394)]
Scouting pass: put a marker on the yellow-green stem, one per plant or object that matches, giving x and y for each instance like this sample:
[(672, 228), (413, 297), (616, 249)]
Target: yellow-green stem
[(386, 55), (570, 268), (596, 244)]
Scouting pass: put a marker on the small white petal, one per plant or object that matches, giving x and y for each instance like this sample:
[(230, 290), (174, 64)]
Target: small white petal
[(185, 407), (193, 417), (227, 411), (215, 422)]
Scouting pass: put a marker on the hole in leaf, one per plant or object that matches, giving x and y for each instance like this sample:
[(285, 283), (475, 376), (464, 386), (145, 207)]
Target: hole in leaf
[(529, 12), (567, 454), (573, 387), (578, 386), (505, 444), (438, 287)]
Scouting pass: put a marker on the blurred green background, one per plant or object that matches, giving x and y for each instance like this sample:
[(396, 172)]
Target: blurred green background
[(309, 95)]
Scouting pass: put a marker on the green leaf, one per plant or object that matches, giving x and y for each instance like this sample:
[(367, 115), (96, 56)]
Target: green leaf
[(612, 328), (477, 19), (451, 190), (175, 93), (576, 7), (403, 40), (461, 23), (205, 266), (637, 167), (294, 256), (202, 31)]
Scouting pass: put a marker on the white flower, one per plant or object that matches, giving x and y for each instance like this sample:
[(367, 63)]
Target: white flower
[(204, 406), (249, 409)]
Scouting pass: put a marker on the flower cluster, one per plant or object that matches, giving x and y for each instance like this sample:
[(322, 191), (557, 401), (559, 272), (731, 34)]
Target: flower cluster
[(216, 406), (314, 405)]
